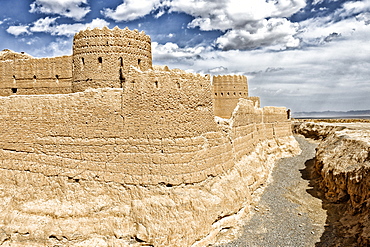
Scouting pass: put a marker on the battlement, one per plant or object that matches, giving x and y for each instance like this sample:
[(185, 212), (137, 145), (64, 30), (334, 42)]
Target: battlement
[(230, 79), (115, 32)]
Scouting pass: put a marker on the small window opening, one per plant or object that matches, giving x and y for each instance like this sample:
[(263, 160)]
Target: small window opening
[(100, 59), (57, 76), (156, 84), (240, 94), (121, 61), (234, 93), (121, 78), (83, 61), (13, 76), (215, 94), (138, 61), (34, 77), (228, 93), (14, 90), (222, 94)]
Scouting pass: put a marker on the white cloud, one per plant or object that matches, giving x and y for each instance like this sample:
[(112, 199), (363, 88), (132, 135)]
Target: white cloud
[(132, 9), (171, 51), (71, 29), (18, 30), (67, 8), (354, 7), (234, 14), (49, 25), (278, 32), (251, 19), (60, 47), (43, 25)]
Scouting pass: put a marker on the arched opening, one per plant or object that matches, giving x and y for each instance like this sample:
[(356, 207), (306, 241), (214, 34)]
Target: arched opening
[(34, 77), (14, 90), (100, 59)]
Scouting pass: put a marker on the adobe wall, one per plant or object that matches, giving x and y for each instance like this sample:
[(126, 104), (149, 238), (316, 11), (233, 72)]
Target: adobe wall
[(102, 57), (251, 125), (83, 135), (36, 76)]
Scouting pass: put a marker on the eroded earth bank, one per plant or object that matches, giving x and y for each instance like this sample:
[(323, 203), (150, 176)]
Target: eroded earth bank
[(340, 177)]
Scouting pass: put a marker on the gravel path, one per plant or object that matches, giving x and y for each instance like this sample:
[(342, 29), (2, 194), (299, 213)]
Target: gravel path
[(287, 214)]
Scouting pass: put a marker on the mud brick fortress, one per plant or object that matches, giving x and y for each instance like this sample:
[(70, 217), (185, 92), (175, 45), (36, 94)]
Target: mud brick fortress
[(107, 113)]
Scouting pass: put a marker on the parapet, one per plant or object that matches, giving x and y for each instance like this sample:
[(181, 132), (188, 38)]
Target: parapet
[(7, 54), (239, 79), (115, 32)]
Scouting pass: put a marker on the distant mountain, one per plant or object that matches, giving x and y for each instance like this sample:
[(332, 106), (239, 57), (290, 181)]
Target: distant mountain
[(333, 114)]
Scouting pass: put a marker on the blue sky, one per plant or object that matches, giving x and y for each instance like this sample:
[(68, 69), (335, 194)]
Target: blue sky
[(306, 55)]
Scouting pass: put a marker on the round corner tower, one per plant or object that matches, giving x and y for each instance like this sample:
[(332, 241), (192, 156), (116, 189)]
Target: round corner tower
[(227, 90), (103, 57)]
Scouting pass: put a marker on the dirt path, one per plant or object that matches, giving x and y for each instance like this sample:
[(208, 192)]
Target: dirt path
[(287, 214)]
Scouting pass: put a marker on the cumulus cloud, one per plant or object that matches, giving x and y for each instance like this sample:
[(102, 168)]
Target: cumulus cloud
[(18, 30), (247, 23), (75, 9), (171, 51), (132, 9), (233, 14), (278, 32), (49, 25)]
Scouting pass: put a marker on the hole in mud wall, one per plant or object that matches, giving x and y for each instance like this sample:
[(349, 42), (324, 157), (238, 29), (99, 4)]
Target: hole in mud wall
[(57, 76), (82, 61), (120, 61), (178, 85), (156, 84), (13, 76), (100, 59), (138, 62), (14, 90)]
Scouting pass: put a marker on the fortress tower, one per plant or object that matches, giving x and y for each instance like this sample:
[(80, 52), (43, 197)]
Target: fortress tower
[(227, 89), (102, 57)]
